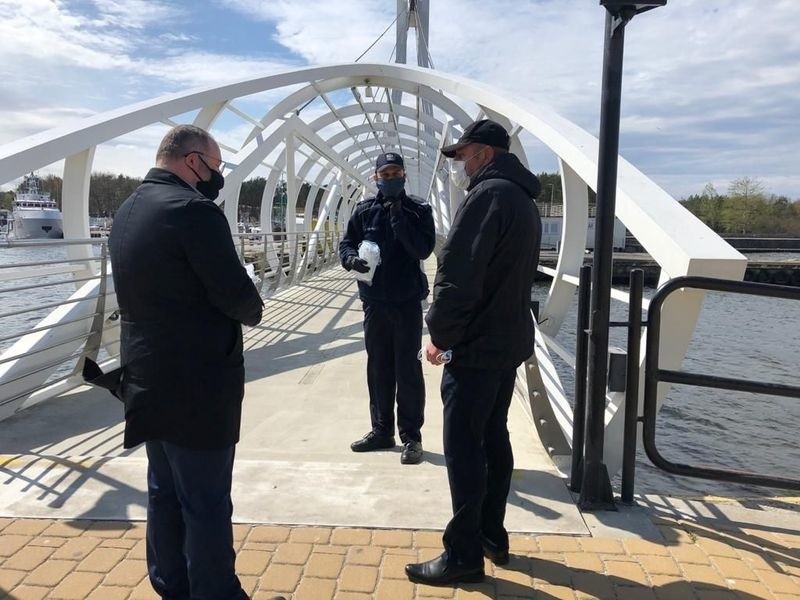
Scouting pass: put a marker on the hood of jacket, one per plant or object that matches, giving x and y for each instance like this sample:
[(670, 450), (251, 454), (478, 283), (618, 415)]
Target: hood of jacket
[(507, 166)]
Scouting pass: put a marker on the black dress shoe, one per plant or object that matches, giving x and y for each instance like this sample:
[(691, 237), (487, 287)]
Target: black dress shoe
[(440, 571), (412, 453), (372, 441), (493, 552)]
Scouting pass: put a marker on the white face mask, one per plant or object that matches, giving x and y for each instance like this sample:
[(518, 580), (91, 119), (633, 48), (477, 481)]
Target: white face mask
[(458, 174), (458, 171)]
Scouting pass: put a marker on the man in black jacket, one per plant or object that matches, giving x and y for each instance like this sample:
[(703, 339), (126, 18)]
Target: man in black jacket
[(183, 296), (481, 314), (402, 227)]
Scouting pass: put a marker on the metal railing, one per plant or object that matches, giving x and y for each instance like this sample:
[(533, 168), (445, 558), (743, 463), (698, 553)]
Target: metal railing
[(654, 374), (280, 259), (65, 365)]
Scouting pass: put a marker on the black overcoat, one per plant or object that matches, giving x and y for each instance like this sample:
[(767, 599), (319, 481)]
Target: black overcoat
[(183, 296)]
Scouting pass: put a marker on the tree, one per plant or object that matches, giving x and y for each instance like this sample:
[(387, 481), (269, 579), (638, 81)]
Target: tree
[(746, 198)]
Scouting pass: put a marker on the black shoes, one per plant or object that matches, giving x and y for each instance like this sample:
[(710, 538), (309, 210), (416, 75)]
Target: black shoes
[(372, 441), (440, 571), (412, 453), (493, 552)]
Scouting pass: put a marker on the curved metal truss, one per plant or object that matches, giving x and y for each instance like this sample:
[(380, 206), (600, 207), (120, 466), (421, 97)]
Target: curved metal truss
[(325, 131)]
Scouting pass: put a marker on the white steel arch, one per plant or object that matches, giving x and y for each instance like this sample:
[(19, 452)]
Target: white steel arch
[(681, 244)]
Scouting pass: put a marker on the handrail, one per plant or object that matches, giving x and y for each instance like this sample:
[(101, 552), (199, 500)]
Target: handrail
[(654, 374)]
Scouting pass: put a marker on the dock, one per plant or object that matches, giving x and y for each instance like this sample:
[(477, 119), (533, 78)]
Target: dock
[(316, 521)]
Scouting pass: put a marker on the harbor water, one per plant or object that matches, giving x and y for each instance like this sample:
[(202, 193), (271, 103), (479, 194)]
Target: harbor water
[(737, 336)]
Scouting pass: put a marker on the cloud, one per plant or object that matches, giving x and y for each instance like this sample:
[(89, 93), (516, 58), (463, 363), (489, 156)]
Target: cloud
[(710, 88)]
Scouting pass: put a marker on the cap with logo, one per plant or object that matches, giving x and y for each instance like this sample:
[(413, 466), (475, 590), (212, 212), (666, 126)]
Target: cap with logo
[(389, 158), (484, 131)]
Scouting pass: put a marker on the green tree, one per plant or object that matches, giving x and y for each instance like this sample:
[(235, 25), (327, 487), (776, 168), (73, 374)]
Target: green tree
[(6, 200)]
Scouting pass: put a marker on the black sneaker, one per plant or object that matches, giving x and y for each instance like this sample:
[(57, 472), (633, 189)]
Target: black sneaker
[(412, 453), (373, 441)]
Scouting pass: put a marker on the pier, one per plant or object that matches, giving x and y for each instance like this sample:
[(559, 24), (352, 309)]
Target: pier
[(316, 521)]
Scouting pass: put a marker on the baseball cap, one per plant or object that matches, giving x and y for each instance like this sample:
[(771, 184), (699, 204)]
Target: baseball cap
[(389, 158), (484, 131)]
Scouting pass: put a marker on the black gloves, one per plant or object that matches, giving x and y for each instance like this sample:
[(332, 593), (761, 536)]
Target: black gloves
[(357, 264)]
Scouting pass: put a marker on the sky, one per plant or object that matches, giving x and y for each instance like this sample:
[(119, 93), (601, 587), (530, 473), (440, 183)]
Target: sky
[(711, 88)]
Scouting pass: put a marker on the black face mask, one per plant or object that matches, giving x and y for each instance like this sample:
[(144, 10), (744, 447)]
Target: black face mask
[(210, 189)]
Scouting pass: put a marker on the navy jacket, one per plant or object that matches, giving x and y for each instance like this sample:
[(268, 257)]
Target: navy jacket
[(481, 297), (183, 295), (405, 233)]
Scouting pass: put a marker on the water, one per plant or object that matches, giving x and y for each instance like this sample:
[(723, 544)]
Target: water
[(737, 336)]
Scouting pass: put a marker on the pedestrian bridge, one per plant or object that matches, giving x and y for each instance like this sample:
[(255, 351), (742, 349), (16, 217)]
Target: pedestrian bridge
[(318, 130)]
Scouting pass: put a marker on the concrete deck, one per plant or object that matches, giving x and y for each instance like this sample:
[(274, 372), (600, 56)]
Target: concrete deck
[(306, 400)]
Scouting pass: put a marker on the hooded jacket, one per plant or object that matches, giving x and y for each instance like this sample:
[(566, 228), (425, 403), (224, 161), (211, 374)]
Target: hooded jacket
[(481, 296), (405, 234), (182, 295)]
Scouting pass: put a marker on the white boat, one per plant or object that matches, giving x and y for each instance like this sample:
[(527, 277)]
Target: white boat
[(35, 214)]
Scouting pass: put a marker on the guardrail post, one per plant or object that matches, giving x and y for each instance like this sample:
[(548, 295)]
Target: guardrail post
[(581, 357), (632, 385)]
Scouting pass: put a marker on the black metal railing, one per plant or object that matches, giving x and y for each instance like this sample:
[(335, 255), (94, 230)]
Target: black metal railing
[(654, 374)]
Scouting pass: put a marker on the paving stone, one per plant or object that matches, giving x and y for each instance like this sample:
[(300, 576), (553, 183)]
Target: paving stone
[(128, 573), (102, 560), (638, 547), (10, 544), (67, 529), (108, 529), (714, 547), (428, 539), (106, 592), (479, 591), (584, 560), (267, 533), (29, 592), (690, 554), (778, 583), (76, 586), (733, 568), (311, 535), (251, 563), (429, 591), (9, 577), (601, 545), (626, 573), (702, 576), (326, 566), (393, 566), (144, 591), (659, 565), (555, 592), (357, 578), (50, 573), (364, 555), (315, 589), (32, 527), (389, 589), (392, 538), (557, 543), (351, 537), (281, 577), (293, 554), (521, 544), (28, 558), (592, 584)]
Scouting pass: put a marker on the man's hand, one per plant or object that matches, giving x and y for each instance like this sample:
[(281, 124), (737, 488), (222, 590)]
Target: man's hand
[(358, 265), (433, 354)]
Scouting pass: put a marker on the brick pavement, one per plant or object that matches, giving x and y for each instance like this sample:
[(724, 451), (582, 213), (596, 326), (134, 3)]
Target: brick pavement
[(42, 558)]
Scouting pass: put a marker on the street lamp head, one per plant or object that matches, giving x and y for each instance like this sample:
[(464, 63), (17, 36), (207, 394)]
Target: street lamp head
[(620, 8)]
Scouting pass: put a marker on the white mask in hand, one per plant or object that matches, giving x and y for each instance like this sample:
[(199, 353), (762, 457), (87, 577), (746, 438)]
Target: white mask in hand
[(458, 174)]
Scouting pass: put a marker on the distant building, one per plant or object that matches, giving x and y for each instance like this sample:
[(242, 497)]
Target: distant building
[(552, 223)]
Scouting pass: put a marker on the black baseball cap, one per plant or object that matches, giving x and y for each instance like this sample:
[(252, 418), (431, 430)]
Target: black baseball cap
[(389, 158), (484, 131)]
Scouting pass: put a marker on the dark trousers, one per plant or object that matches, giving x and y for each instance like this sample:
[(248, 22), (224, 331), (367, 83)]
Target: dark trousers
[(479, 459), (190, 552), (393, 337)]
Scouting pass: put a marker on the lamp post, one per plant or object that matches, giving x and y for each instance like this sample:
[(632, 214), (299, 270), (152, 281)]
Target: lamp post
[(596, 492)]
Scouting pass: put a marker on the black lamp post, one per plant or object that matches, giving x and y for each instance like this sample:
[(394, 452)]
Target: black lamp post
[(596, 492)]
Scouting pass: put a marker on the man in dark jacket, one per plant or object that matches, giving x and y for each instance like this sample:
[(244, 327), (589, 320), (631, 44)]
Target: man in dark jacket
[(481, 314), (183, 296), (402, 227)]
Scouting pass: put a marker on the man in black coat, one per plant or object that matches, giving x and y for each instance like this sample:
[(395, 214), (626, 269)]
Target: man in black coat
[(481, 314), (183, 296), (402, 227)]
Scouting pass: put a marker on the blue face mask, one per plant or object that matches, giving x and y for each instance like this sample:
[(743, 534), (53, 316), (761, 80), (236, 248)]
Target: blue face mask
[(391, 188)]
